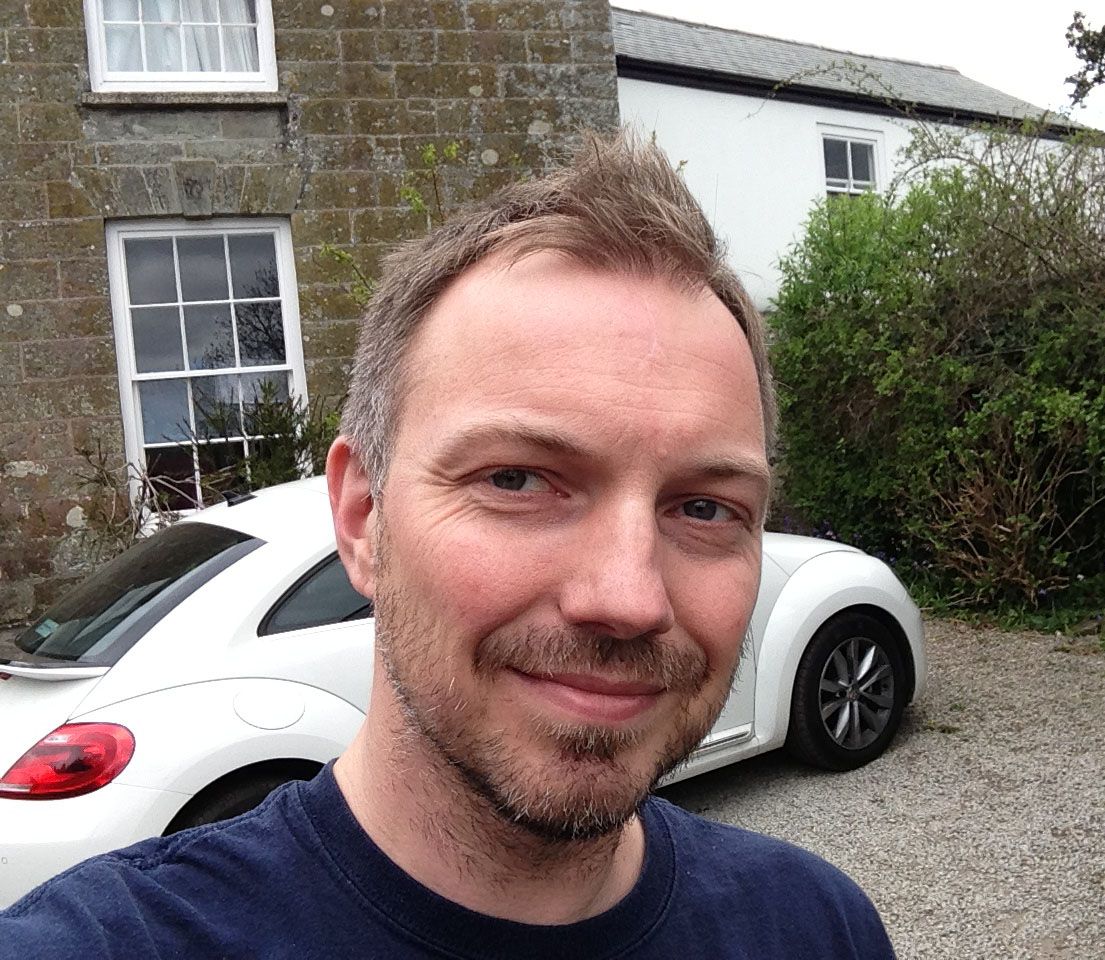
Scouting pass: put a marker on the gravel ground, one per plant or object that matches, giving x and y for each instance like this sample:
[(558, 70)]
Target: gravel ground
[(981, 832)]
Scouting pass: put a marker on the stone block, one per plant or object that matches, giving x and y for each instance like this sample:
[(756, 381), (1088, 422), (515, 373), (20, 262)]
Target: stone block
[(594, 48), (445, 80), (165, 123), (400, 46), (71, 239), (134, 153), (268, 190), (312, 228), (488, 46), (132, 191), (17, 599), (65, 359), (28, 280), (84, 277), (584, 15), (46, 45), (424, 15), (66, 201), (548, 47), (54, 13), (238, 151), (47, 122), (332, 340), (307, 45), (328, 376), (195, 183), (45, 83), (310, 79), (11, 364), (34, 161), (385, 117), (23, 200), (367, 80), (342, 153), (324, 116), (514, 14), (342, 190), (321, 303), (48, 441), (260, 124), (387, 225)]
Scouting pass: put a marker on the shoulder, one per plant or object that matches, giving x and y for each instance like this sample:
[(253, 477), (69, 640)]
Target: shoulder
[(788, 894), (135, 901)]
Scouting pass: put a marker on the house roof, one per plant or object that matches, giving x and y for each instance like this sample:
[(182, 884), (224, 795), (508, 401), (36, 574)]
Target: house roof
[(667, 50)]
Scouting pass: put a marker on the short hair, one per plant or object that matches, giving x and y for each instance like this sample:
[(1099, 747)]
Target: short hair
[(619, 206)]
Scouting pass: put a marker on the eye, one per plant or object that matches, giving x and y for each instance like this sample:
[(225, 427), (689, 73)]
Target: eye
[(707, 510), (517, 480)]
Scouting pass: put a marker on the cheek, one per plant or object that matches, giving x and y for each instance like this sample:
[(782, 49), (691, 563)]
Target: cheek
[(714, 608), (478, 581)]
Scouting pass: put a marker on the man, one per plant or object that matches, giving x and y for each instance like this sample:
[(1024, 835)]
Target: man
[(552, 479)]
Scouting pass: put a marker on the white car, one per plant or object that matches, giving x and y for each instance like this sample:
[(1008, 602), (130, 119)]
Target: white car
[(228, 654)]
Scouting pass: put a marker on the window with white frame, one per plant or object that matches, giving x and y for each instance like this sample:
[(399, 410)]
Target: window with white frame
[(184, 45), (849, 165), (206, 327)]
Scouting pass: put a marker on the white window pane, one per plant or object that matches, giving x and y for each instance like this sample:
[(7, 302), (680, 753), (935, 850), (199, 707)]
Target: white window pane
[(201, 50), (201, 11), (151, 277), (164, 410), (260, 334), (162, 48), (124, 48), (210, 338), (215, 403), (238, 11), (240, 49), (165, 11), (253, 265), (202, 268), (120, 9), (836, 159), (156, 339), (862, 165)]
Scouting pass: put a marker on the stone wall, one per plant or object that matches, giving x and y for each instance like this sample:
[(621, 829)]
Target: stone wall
[(364, 86)]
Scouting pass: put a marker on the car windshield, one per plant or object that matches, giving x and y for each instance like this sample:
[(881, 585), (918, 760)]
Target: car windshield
[(100, 620)]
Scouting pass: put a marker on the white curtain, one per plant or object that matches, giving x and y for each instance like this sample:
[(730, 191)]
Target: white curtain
[(239, 42)]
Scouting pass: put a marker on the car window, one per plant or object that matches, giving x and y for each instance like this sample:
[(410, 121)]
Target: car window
[(322, 595), (99, 621)]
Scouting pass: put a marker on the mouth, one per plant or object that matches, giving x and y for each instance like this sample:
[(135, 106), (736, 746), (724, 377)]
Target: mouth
[(590, 698)]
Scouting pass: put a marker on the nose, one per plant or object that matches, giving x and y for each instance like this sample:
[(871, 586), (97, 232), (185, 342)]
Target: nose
[(615, 584)]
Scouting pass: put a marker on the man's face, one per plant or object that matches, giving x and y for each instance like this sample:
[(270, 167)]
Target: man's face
[(569, 535)]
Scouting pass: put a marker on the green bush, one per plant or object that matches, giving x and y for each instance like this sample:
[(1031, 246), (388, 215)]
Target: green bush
[(941, 363)]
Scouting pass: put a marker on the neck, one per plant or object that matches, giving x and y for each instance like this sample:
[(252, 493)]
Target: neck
[(421, 812)]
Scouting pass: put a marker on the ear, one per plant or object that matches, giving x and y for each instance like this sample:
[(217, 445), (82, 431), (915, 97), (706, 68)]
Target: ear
[(354, 525)]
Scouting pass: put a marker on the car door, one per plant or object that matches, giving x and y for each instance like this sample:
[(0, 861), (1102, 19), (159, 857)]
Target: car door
[(735, 724)]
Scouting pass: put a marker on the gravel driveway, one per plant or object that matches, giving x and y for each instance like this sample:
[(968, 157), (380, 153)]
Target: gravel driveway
[(981, 833)]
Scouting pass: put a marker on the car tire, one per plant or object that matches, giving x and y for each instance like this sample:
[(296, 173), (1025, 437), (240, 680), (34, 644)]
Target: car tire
[(849, 693), (230, 800)]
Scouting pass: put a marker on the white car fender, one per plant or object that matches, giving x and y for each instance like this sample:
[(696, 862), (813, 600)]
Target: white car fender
[(207, 730), (821, 587)]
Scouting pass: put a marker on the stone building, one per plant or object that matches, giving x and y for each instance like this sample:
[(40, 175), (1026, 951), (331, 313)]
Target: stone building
[(170, 171)]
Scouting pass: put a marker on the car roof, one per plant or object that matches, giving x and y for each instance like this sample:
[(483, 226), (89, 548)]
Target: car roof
[(298, 511)]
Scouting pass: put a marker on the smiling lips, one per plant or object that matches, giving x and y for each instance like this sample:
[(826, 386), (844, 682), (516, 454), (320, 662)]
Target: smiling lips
[(593, 698)]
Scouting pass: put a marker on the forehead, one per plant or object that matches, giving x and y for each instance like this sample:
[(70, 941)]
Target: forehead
[(549, 339)]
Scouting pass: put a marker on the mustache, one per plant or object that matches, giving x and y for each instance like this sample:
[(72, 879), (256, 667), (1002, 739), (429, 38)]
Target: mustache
[(548, 651)]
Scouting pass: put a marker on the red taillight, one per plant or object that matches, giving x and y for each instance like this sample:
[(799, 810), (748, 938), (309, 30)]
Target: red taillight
[(76, 758)]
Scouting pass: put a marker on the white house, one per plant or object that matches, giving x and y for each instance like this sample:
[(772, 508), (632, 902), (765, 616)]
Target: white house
[(766, 127)]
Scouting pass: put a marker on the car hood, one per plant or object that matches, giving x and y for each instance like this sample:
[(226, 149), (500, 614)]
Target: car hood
[(790, 552)]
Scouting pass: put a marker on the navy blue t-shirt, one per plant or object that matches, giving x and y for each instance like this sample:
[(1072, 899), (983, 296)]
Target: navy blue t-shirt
[(298, 878)]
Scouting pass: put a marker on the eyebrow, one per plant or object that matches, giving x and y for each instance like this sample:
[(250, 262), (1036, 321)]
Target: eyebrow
[(517, 431), (512, 431)]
